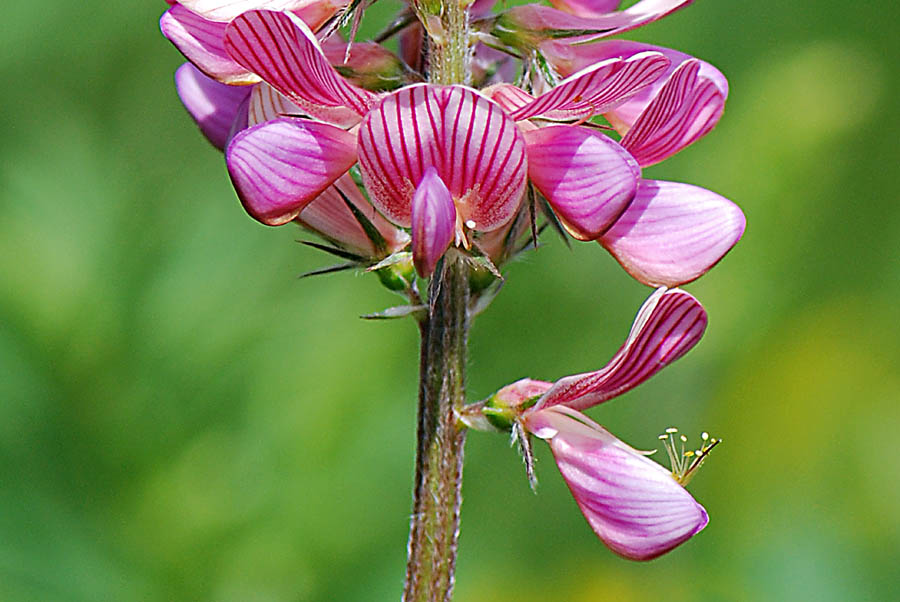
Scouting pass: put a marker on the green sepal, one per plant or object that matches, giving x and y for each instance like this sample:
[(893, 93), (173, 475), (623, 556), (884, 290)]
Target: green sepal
[(396, 271)]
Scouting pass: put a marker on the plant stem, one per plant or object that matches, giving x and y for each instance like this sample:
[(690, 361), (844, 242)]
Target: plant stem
[(449, 52), (434, 528)]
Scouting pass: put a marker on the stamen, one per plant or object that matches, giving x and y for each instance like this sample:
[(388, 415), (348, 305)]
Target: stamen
[(686, 463)]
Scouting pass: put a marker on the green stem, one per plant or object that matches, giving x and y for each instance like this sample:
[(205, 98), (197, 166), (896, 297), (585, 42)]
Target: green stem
[(449, 51), (434, 528)]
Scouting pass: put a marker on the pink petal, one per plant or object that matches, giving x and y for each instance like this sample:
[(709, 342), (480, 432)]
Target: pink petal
[(433, 222), (632, 503), (673, 233), (267, 103), (587, 177), (329, 216), (411, 44), (667, 326), (484, 158), (598, 88), (568, 58), (477, 150), (226, 10), (510, 98), (282, 50), (368, 65), (586, 7), (398, 140), (687, 107), (517, 393), (544, 18), (202, 42), (280, 166), (214, 106)]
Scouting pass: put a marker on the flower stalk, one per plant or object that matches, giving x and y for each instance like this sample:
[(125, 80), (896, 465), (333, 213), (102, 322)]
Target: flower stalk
[(434, 526), (448, 48)]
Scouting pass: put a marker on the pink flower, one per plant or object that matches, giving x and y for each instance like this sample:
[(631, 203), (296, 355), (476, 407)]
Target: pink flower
[(633, 504), (471, 149), (681, 106), (583, 19), (662, 233), (197, 29)]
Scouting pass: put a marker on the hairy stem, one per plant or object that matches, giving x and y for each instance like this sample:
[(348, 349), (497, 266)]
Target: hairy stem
[(449, 51), (434, 528)]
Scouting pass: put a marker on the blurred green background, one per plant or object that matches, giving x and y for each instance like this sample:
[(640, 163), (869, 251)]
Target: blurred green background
[(182, 419)]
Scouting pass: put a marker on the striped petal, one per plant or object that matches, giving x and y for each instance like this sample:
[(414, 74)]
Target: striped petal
[(511, 98), (484, 158), (329, 217), (586, 7), (633, 504), (587, 177), (538, 18), (398, 141), (202, 42), (214, 106), (433, 222), (686, 108), (280, 48), (667, 326), (280, 166), (568, 58), (597, 88), (226, 10), (476, 149), (673, 233), (266, 103)]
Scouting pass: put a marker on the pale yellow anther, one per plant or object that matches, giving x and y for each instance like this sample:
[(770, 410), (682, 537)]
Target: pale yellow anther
[(685, 463)]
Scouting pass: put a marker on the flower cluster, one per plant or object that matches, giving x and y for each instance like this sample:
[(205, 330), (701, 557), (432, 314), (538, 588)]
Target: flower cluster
[(550, 127)]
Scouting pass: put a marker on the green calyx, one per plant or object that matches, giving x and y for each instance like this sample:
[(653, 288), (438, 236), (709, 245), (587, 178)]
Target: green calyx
[(502, 415)]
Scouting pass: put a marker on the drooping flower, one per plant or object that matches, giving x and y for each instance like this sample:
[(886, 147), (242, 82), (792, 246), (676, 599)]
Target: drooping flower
[(634, 505)]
